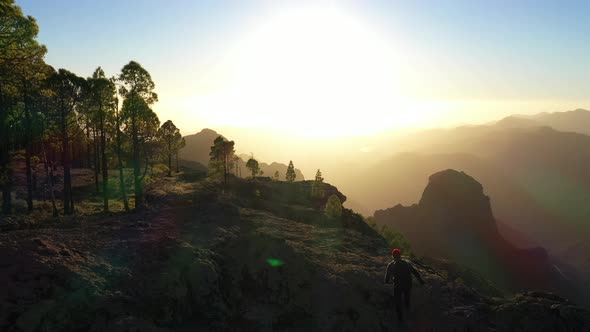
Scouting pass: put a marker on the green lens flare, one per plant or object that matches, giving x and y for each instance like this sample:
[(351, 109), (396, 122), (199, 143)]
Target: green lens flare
[(274, 262)]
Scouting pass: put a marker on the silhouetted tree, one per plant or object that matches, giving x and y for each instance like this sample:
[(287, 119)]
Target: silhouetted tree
[(171, 138), (146, 130), (221, 158), (252, 165), (137, 89), (276, 176), (119, 150), (317, 188), (67, 89), (333, 207), (21, 73), (181, 145), (290, 176), (102, 102)]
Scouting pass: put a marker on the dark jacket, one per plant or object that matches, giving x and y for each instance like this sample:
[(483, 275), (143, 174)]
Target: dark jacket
[(401, 273)]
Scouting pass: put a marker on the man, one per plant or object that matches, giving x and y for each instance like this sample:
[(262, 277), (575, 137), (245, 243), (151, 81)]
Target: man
[(401, 272)]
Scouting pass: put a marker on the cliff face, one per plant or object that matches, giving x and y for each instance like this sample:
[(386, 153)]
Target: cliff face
[(454, 199), (454, 220), (206, 258)]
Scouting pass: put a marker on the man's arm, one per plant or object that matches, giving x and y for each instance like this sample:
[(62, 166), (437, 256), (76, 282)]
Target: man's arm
[(388, 274), (416, 274)]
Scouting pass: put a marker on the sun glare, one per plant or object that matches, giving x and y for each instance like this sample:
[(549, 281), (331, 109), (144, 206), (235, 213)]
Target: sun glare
[(315, 71)]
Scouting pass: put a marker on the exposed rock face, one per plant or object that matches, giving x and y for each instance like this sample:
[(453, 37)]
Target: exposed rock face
[(454, 220), (456, 199)]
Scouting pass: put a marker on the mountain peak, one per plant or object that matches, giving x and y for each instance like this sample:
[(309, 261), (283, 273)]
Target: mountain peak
[(456, 197), (207, 131)]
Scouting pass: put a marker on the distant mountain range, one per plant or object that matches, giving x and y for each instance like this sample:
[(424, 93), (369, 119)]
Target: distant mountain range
[(198, 146), (534, 168), (577, 121)]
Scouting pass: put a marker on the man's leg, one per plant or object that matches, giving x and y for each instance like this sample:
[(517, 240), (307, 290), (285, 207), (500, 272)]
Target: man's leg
[(397, 295), (407, 295)]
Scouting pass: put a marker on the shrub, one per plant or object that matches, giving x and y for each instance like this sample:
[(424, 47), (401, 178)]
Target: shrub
[(333, 207)]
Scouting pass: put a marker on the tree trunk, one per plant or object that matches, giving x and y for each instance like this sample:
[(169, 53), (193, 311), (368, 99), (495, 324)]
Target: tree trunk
[(105, 171), (49, 175), (145, 168), (28, 135), (120, 161), (96, 161), (177, 164), (169, 159), (88, 148), (5, 174), (137, 181), (66, 162)]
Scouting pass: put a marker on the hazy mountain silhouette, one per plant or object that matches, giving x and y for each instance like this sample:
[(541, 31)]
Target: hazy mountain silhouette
[(268, 169), (198, 147), (577, 121)]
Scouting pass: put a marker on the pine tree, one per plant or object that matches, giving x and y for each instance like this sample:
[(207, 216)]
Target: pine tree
[(137, 87), (252, 165), (317, 188), (172, 140), (221, 158), (290, 176)]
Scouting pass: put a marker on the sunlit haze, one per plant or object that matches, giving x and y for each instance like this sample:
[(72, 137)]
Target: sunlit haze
[(329, 68)]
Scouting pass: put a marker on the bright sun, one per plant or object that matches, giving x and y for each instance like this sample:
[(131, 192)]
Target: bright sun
[(315, 71)]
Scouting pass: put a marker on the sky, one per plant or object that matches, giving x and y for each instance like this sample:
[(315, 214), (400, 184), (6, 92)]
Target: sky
[(331, 68)]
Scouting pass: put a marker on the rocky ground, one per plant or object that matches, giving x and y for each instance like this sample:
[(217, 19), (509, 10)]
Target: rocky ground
[(243, 258)]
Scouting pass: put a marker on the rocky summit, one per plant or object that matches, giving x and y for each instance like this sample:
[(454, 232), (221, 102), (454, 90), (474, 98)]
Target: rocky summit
[(203, 257)]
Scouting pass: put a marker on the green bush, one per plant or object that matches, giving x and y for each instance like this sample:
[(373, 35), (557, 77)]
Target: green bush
[(394, 239), (333, 208)]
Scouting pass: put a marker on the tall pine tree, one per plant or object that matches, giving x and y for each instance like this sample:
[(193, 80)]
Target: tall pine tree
[(290, 176), (317, 188)]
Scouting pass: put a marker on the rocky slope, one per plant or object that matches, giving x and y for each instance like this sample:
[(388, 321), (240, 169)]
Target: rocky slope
[(205, 258)]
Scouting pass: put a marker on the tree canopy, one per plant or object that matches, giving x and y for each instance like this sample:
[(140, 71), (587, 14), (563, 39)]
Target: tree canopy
[(252, 165), (221, 158)]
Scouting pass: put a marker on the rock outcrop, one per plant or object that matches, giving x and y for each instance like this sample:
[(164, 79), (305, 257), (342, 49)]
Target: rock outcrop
[(454, 220)]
